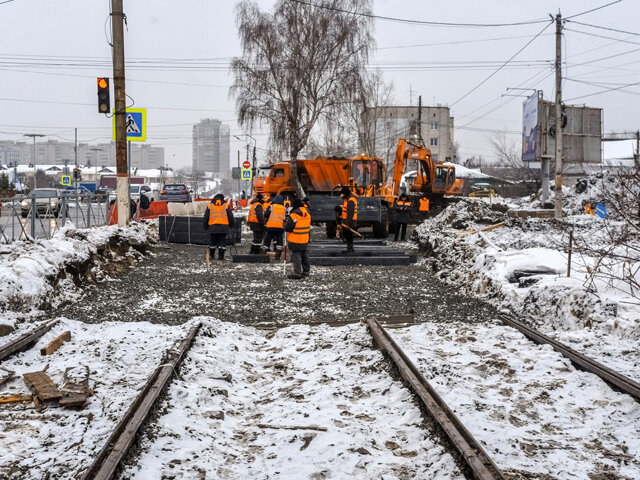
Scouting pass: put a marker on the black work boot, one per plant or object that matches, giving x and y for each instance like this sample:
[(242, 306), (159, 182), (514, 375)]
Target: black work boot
[(349, 250), (221, 253), (294, 276), (278, 254), (212, 254)]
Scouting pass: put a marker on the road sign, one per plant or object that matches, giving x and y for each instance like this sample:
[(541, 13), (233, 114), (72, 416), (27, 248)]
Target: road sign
[(65, 180), (247, 174), (246, 164), (136, 125)]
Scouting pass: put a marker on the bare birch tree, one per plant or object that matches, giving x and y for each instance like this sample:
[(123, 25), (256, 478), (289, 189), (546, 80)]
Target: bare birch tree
[(297, 63)]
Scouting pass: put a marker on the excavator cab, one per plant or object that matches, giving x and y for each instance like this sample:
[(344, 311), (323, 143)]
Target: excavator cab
[(445, 177), (366, 173)]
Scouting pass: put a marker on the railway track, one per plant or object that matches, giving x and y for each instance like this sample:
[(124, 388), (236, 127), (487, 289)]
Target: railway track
[(26, 340), (121, 439), (622, 382), (480, 464)]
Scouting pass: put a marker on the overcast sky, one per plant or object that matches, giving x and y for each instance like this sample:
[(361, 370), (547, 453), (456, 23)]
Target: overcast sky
[(178, 54)]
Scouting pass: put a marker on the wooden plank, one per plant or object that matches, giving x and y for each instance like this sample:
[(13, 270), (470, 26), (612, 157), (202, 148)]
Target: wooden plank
[(42, 386), (7, 377), (15, 399), (75, 394), (56, 343), (26, 339), (485, 229)]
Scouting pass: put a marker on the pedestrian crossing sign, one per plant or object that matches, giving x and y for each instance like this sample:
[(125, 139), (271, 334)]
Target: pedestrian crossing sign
[(247, 174), (65, 180), (136, 121)]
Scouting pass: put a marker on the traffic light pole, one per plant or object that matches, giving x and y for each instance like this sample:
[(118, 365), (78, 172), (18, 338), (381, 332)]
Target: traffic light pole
[(122, 186)]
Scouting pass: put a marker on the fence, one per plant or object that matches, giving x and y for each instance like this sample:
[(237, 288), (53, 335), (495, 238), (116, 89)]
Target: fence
[(33, 217)]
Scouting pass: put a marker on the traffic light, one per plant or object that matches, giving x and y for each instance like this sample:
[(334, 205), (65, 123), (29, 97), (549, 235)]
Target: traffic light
[(76, 173), (104, 104)]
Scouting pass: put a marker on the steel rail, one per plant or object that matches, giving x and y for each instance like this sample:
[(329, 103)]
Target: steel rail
[(480, 464), (25, 339), (622, 382), (121, 439)]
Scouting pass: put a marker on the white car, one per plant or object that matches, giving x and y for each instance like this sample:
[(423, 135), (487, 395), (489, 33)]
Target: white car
[(143, 189)]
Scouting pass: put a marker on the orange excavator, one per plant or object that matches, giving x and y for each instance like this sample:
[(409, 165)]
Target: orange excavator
[(322, 178), (432, 179)]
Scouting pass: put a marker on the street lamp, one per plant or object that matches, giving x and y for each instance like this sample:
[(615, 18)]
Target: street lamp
[(33, 158)]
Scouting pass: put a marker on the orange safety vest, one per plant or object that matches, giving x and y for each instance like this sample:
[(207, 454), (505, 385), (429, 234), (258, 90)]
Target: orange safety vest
[(400, 203), (276, 218), (218, 214), (424, 204), (253, 218), (355, 207), (302, 225)]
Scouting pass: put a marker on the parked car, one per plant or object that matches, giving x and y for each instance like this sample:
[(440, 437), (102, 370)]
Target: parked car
[(48, 200), (143, 189), (175, 192)]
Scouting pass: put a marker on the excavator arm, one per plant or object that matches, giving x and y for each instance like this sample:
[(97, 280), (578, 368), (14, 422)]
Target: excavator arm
[(398, 166)]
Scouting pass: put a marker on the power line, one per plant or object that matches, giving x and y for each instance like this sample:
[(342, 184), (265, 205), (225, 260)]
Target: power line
[(604, 91), (622, 40), (6, 1), (417, 22), (457, 42), (593, 9), (604, 28), (502, 66)]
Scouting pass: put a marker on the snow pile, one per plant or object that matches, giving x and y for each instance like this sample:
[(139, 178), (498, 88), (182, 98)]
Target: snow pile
[(34, 275), (522, 266), (298, 402)]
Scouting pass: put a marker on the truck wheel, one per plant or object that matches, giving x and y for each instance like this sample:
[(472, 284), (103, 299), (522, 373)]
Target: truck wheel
[(332, 228), (380, 228)]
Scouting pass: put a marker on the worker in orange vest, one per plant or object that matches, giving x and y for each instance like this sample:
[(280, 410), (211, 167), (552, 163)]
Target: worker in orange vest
[(257, 223), (298, 224), (349, 217), (274, 216), (423, 204), (218, 219)]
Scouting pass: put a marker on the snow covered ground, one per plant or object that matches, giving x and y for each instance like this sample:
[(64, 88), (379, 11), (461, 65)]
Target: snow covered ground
[(59, 443), (537, 416), (240, 388), (226, 414), (596, 317)]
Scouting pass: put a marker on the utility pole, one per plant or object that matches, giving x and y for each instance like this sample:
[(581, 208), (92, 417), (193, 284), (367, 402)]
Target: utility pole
[(420, 120), (239, 178), (33, 157), (122, 186), (558, 115), (253, 170), (75, 151)]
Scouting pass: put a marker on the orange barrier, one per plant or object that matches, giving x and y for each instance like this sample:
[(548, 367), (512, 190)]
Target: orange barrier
[(155, 210), (243, 203)]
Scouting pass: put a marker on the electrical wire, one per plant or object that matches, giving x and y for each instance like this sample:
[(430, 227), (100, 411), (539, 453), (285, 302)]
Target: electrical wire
[(457, 42), (603, 91), (621, 40), (418, 22), (604, 28), (502, 66), (593, 9)]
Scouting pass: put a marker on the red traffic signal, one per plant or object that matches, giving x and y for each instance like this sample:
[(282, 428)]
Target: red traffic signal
[(76, 172), (104, 102)]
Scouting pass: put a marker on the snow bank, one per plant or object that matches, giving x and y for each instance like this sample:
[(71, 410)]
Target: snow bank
[(44, 273), (523, 266)]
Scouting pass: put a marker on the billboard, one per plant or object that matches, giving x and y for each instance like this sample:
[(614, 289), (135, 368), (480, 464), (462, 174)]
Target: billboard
[(530, 128), (581, 131)]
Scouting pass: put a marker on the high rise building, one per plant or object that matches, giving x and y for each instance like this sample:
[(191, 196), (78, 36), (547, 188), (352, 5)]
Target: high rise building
[(211, 148)]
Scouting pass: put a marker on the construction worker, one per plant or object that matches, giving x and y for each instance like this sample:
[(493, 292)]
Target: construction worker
[(274, 216), (257, 223), (588, 209), (349, 217), (298, 225), (423, 205), (401, 208), (218, 219)]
